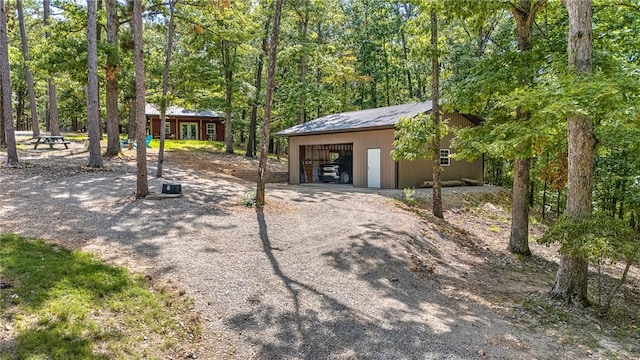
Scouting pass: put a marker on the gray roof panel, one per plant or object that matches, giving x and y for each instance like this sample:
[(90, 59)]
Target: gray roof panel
[(358, 120)]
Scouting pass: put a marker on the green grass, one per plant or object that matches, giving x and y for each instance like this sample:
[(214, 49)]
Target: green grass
[(68, 305), (190, 145)]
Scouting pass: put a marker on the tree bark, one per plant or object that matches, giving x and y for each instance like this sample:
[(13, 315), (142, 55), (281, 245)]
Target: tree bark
[(52, 119), (93, 111), (524, 13), (251, 144), (228, 92), (10, 137), (302, 96), (571, 282), (165, 87), (271, 84), (111, 79), (519, 239), (435, 98), (142, 184), (27, 70)]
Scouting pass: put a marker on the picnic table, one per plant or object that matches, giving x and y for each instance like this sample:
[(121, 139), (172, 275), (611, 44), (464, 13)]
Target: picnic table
[(50, 140)]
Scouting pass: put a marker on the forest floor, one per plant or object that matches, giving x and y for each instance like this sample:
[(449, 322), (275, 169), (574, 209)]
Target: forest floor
[(322, 272)]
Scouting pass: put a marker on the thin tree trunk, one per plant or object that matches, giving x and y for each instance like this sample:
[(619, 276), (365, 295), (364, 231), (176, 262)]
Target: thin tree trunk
[(271, 84), (10, 137), (435, 98), (93, 111), (251, 144), (302, 97), (228, 82), (27, 70), (142, 184), (165, 87), (571, 283), (52, 112), (111, 79)]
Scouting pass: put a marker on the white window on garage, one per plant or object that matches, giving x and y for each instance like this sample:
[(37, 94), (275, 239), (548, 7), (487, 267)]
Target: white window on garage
[(445, 160)]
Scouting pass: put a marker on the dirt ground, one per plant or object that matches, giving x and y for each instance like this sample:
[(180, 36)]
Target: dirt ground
[(322, 272)]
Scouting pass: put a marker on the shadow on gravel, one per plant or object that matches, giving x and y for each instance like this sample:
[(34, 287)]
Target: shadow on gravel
[(336, 329)]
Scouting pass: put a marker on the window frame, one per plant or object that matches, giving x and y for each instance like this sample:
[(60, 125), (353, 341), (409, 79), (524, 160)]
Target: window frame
[(445, 157)]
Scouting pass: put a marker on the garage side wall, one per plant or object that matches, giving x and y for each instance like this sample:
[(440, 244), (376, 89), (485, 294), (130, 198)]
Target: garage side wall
[(412, 173), (361, 140)]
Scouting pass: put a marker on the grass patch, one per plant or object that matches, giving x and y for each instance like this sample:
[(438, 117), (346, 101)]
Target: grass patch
[(67, 305), (190, 145)]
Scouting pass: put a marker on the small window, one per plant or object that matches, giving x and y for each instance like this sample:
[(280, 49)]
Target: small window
[(211, 131), (167, 128), (444, 157)]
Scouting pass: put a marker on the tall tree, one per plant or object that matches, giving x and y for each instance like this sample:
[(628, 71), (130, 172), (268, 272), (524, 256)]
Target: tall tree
[(271, 85), (253, 122), (165, 86), (27, 70), (111, 79), (524, 12), (435, 113), (5, 78), (93, 111), (142, 184), (571, 279), (52, 111)]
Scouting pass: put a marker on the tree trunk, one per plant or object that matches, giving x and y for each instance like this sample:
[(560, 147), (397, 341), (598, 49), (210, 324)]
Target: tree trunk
[(251, 144), (165, 87), (302, 96), (435, 98), (271, 85), (27, 70), (519, 239), (93, 111), (228, 92), (524, 13), (111, 80), (142, 184), (571, 283), (52, 118), (10, 138)]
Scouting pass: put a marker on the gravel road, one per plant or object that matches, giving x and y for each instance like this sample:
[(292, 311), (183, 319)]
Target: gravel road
[(322, 273)]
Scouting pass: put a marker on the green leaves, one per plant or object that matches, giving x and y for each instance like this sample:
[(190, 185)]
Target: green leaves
[(594, 238), (415, 137)]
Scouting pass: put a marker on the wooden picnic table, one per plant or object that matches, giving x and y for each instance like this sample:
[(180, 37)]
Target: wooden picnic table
[(50, 140)]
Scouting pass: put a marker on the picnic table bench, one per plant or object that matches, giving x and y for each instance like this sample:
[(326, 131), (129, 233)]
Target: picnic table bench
[(50, 140)]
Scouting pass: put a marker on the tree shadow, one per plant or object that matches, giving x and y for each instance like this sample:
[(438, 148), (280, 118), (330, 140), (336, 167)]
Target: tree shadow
[(322, 324)]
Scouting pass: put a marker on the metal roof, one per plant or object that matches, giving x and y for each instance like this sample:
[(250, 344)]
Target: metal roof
[(358, 120), (151, 109)]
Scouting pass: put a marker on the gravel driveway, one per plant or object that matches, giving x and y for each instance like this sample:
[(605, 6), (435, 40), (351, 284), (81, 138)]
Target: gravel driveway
[(321, 273)]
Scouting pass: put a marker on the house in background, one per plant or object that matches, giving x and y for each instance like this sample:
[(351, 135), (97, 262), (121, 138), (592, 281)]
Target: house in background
[(186, 124), (366, 138)]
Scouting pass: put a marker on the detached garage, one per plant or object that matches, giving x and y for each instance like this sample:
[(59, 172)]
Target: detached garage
[(355, 147)]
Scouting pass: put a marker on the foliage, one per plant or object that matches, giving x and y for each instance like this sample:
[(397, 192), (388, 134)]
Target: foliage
[(67, 304), (594, 238), (250, 199), (415, 136), (409, 196)]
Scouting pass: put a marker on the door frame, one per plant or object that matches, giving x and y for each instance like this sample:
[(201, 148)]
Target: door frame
[(190, 123), (377, 152)]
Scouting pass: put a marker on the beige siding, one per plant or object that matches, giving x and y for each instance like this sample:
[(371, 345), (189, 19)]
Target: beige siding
[(412, 173), (361, 140)]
